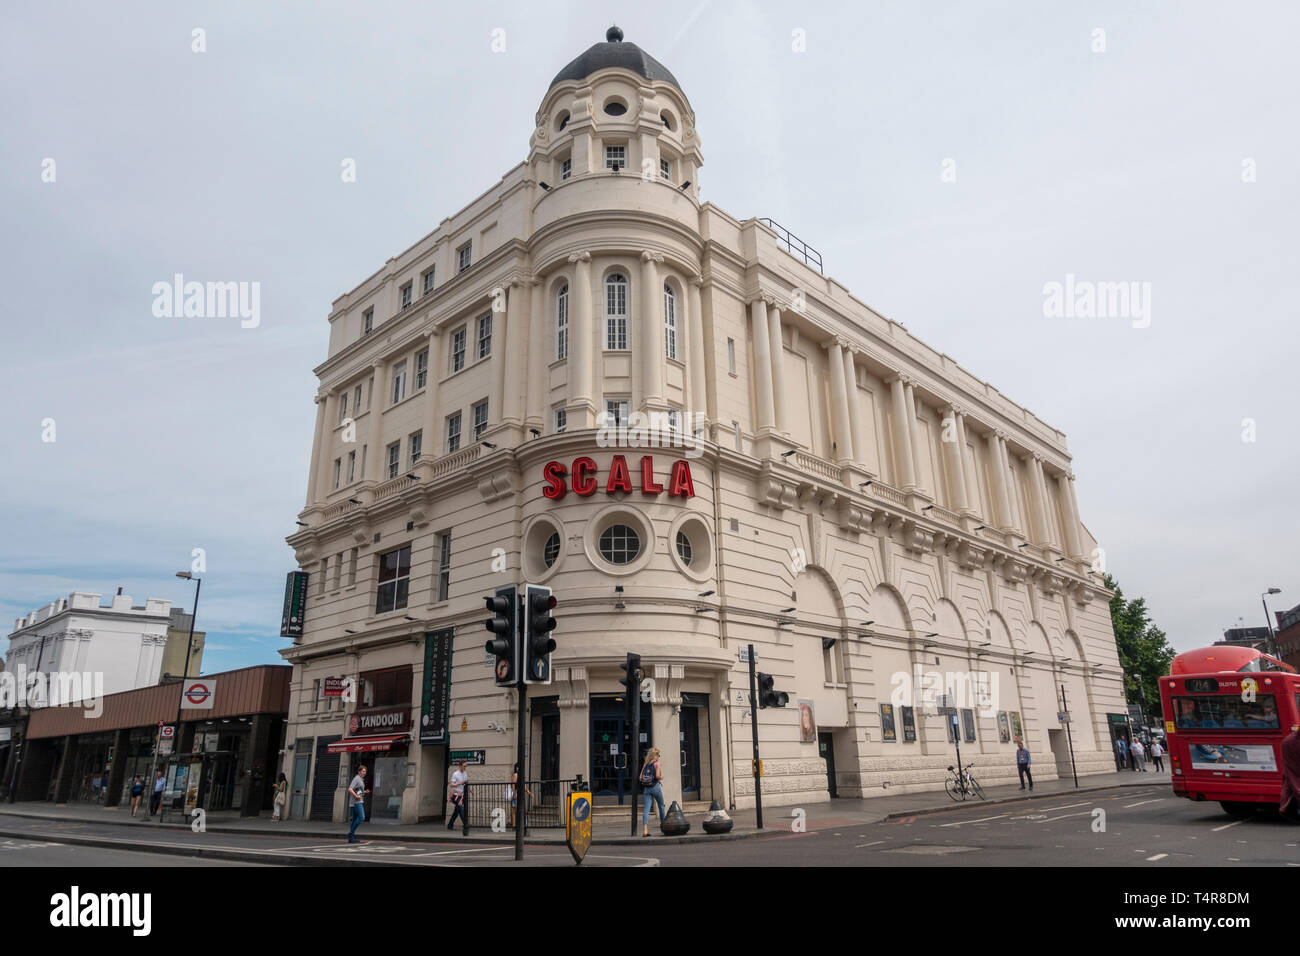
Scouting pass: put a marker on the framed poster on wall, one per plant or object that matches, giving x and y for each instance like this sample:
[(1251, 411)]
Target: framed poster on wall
[(1004, 727), (807, 722), (968, 724), (887, 732), (909, 724), (1017, 732)]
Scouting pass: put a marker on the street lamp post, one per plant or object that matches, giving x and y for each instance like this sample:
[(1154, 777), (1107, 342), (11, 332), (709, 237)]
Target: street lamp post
[(1268, 619), (180, 696)]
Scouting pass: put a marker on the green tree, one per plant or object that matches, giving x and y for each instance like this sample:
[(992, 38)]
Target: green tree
[(1144, 650)]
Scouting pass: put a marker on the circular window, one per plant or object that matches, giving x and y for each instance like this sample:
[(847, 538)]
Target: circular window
[(615, 107), (684, 548), (551, 550), (619, 544)]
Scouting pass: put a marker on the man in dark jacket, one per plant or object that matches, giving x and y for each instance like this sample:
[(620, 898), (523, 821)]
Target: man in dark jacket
[(1289, 805), (1022, 766)]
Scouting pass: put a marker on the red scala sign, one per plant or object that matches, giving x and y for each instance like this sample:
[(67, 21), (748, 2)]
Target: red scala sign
[(584, 480)]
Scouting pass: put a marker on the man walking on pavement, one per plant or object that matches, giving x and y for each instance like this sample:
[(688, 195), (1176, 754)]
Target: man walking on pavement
[(1121, 753), (357, 802), (1139, 756), (1157, 755), (1022, 766)]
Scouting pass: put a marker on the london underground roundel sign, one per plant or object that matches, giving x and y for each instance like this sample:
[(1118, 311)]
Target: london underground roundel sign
[(197, 694)]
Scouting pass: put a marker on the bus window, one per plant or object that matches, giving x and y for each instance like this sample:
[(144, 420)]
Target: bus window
[(1224, 712)]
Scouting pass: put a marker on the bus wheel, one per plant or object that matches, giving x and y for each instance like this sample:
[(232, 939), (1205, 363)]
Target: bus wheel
[(1235, 809)]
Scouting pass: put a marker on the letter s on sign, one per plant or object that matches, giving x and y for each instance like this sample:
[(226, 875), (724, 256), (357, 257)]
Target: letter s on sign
[(553, 475)]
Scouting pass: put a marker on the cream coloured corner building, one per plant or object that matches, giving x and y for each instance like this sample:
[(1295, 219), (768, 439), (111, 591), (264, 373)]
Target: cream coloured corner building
[(861, 509)]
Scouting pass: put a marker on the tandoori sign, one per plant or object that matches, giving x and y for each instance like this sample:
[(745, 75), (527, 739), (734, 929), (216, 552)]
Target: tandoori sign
[(584, 480)]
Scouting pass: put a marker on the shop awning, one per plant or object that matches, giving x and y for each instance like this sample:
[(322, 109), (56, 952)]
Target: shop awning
[(376, 743)]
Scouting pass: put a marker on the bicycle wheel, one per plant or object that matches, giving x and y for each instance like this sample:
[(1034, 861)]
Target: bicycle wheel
[(954, 789), (976, 788)]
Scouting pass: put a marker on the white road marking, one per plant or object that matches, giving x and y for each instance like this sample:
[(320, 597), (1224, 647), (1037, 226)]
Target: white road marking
[(1225, 826), (1081, 813), (861, 845), (476, 849), (1129, 806), (962, 823), (1158, 856)]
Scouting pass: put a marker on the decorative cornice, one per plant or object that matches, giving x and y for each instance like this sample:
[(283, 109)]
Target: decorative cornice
[(583, 256)]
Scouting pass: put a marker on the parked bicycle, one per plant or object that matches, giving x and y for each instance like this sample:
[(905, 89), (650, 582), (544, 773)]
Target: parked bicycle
[(962, 785)]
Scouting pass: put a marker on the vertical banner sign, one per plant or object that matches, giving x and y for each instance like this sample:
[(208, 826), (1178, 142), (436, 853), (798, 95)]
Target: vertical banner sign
[(295, 604), (436, 698)]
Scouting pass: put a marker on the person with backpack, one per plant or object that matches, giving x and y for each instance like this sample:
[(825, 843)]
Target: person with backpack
[(652, 788), (1022, 766)]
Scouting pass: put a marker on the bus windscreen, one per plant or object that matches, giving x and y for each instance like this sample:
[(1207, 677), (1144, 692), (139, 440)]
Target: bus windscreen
[(1225, 712)]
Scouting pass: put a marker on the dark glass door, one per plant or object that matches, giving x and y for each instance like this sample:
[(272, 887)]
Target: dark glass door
[(690, 741), (613, 779), (826, 747)]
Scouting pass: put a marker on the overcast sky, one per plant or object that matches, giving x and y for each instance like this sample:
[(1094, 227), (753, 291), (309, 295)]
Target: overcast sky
[(1170, 157)]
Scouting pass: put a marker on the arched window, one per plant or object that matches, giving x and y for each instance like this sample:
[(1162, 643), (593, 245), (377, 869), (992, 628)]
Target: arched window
[(616, 312), (562, 322), (670, 322)]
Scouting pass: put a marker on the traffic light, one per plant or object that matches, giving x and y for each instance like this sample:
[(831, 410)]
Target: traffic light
[(538, 624), (767, 697), (632, 680), (504, 645)]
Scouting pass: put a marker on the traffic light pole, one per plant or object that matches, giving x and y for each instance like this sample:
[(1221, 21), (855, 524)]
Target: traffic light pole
[(1065, 708), (753, 727), (634, 765), (521, 788)]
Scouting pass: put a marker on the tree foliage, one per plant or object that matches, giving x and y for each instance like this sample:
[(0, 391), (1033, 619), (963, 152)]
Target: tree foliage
[(1144, 650)]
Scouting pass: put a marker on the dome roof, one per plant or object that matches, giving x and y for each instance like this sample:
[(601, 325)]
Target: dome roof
[(615, 53)]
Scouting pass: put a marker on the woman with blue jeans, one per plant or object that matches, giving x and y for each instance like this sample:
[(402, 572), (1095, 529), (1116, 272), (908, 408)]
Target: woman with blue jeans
[(652, 788)]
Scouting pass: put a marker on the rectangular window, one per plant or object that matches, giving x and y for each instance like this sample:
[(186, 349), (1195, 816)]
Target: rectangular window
[(363, 459), (562, 324), (421, 369), (338, 570), (399, 381), (615, 157), (394, 459), (444, 565), (352, 467), (674, 420), (394, 580), (616, 314), (735, 428), (566, 169), (670, 323), (453, 433), (485, 335), (338, 465), (480, 419), (416, 445), (356, 401), (426, 281), (324, 573), (367, 321), (561, 420), (343, 408), (616, 412), (458, 349), (665, 170), (731, 356), (352, 569), (462, 257), (406, 296)]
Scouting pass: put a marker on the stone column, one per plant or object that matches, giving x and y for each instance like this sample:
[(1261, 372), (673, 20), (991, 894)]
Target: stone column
[(998, 496), (516, 365), (913, 435), (582, 406), (500, 359), (1042, 501), (972, 481), (1008, 489), (651, 340), (698, 370), (957, 467), (540, 351), (855, 410), (323, 458), (780, 416), (1065, 483), (902, 435), (313, 476), (841, 430), (431, 441), (765, 413), (378, 399)]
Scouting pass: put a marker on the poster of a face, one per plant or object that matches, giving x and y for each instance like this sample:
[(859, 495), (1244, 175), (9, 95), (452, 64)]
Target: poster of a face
[(807, 722), (1004, 728), (887, 732)]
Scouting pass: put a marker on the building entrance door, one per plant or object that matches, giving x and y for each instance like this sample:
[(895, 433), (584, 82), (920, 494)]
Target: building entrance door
[(327, 779), (613, 781), (697, 764), (826, 748), (550, 747), (301, 774)]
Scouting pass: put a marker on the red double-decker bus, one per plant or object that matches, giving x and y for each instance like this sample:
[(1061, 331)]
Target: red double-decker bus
[(1226, 711)]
